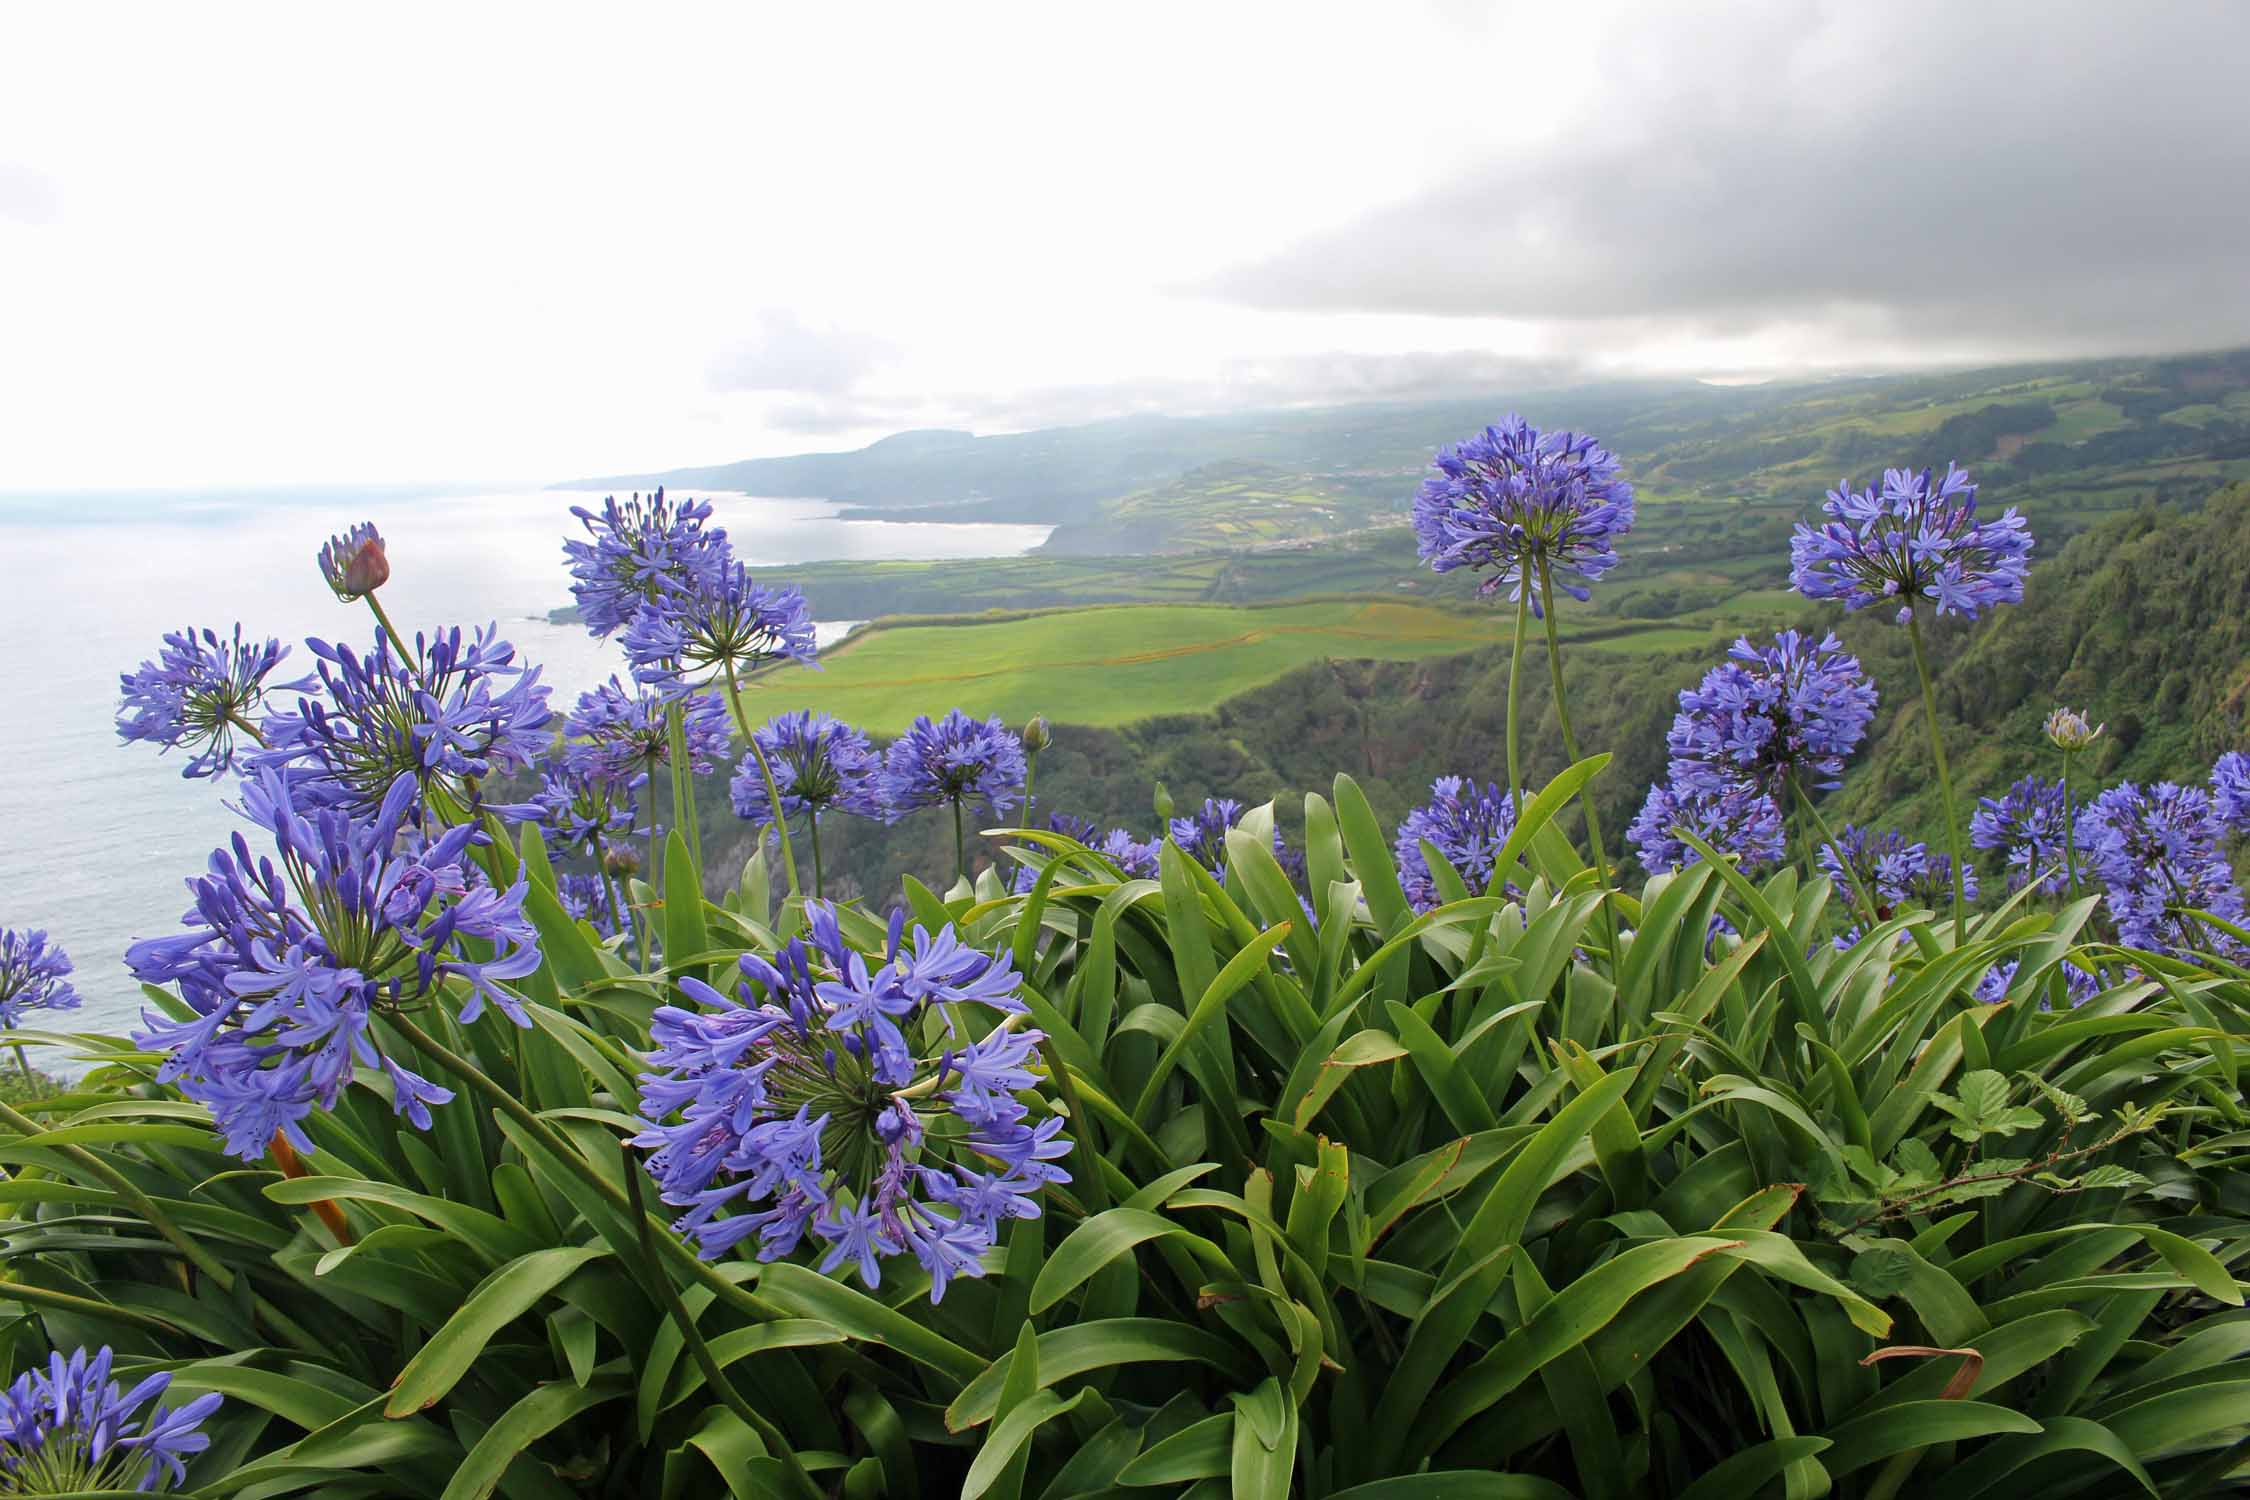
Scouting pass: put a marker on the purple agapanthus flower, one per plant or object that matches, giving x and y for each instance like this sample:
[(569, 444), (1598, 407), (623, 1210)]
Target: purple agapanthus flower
[(589, 898), (1932, 885), (462, 712), (1912, 539), (2230, 790), (1738, 820), (1794, 709), (820, 765), (2156, 851), (636, 552), (198, 694), (1202, 834), (71, 1429), (353, 563), (1513, 500), (1137, 858), (1466, 823), (619, 732), (951, 762), (716, 623), (832, 1095), (287, 962), (34, 975), (584, 810), (2027, 825), (1883, 865), (1202, 837), (2079, 985)]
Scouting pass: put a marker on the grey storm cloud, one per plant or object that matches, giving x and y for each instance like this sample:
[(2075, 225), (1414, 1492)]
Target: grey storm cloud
[(785, 353), (2062, 177)]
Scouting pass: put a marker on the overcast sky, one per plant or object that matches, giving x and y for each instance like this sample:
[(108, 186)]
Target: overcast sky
[(330, 242)]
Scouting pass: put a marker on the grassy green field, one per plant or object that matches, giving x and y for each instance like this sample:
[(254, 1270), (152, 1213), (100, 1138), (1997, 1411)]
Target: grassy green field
[(1115, 665)]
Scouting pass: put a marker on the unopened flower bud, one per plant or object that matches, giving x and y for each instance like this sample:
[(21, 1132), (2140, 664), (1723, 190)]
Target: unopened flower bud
[(620, 863), (1036, 735), (2067, 730), (354, 563), (1163, 804)]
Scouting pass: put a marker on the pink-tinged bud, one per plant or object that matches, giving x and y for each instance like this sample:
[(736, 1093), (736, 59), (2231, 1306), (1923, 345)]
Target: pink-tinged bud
[(354, 563)]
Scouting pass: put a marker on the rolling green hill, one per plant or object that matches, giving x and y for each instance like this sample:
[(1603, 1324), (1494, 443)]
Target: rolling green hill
[(1121, 664)]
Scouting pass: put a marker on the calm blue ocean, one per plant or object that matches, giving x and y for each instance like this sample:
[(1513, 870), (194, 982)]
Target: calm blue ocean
[(95, 836)]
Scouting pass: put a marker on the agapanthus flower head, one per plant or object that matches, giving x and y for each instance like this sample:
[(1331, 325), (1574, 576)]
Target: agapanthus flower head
[(2067, 729), (584, 810), (2230, 790), (1071, 826), (1513, 500), (637, 551), (820, 765), (1885, 866), (1913, 538), (618, 731), (34, 975), (2027, 825), (1466, 823), (952, 761), (1738, 820), (588, 898), (1796, 709), (198, 694), (287, 959), (1137, 858), (2079, 985), (465, 712), (70, 1428), (832, 1094), (1932, 885), (723, 620), (1202, 835), (2156, 851), (353, 563)]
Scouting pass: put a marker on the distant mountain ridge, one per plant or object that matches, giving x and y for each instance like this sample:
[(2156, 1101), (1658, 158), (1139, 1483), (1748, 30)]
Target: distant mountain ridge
[(2070, 440)]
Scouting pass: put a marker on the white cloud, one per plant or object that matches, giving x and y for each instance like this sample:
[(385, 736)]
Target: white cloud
[(283, 242)]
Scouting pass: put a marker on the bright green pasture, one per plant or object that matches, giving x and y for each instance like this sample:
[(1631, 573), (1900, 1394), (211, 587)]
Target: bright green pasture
[(1116, 664)]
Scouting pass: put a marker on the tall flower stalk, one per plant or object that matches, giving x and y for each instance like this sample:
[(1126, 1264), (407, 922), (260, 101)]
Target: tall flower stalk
[(1916, 538), (1944, 775), (1532, 511), (2068, 731), (1570, 753)]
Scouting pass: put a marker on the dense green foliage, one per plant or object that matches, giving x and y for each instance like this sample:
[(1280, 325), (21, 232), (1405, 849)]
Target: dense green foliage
[(1356, 1197)]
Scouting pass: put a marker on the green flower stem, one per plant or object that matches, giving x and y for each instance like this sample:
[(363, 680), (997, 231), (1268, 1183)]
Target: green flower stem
[(131, 1196), (960, 844), (1856, 886), (1515, 675), (550, 1140), (812, 828), (383, 619), (765, 770), (1030, 784), (1570, 751), (1944, 776), (683, 783), (713, 1376), (2070, 830)]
